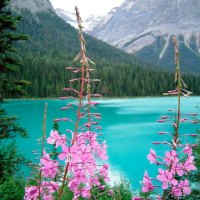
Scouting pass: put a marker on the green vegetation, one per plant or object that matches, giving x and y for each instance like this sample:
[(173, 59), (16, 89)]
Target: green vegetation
[(10, 184), (12, 188), (119, 191), (53, 44)]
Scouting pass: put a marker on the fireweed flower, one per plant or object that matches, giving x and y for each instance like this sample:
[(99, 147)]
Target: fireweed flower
[(80, 151), (31, 193), (49, 167), (188, 150), (102, 187), (189, 164), (46, 188), (152, 156), (104, 172), (178, 150), (181, 189), (56, 139), (171, 157), (94, 181), (177, 168), (110, 192), (166, 178), (84, 192), (68, 153), (147, 185)]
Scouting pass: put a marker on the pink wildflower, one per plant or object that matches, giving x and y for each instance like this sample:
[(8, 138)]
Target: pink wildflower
[(104, 172), (181, 189), (147, 185), (171, 157), (152, 156), (84, 192), (189, 165), (50, 167), (179, 169), (188, 150), (56, 139), (80, 177), (46, 190), (101, 151), (102, 187), (31, 193), (167, 178), (110, 192), (94, 181), (69, 153)]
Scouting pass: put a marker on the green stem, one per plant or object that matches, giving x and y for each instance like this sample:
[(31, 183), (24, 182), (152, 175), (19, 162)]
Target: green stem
[(43, 139), (83, 59), (177, 121)]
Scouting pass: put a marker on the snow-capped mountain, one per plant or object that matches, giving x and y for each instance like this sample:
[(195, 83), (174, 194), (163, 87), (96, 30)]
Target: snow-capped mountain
[(89, 23), (67, 16), (32, 5), (105, 19), (145, 28)]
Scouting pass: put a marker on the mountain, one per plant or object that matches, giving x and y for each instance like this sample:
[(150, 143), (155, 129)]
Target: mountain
[(32, 5), (89, 23), (145, 28), (67, 16), (53, 44)]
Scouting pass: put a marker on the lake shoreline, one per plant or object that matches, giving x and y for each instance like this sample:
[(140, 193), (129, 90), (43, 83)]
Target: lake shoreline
[(101, 98)]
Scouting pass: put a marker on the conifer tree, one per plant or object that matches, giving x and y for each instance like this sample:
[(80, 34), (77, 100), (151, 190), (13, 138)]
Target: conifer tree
[(9, 87)]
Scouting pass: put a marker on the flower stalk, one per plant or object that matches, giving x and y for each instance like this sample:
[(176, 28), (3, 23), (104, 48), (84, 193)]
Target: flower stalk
[(43, 142), (178, 161)]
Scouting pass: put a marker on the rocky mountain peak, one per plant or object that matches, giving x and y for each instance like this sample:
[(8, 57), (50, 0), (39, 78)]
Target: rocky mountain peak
[(145, 27), (67, 16), (88, 23), (32, 5)]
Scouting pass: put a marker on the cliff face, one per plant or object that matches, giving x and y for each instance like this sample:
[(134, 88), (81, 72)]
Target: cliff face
[(145, 28), (32, 5)]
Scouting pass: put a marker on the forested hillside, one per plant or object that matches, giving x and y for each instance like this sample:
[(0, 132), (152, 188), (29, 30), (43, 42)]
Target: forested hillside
[(52, 45)]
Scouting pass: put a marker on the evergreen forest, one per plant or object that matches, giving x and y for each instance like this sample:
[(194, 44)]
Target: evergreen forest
[(52, 45)]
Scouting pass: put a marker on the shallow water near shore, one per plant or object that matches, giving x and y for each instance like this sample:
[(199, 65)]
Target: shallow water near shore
[(128, 125)]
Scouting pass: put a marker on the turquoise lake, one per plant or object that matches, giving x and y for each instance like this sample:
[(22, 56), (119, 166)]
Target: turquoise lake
[(128, 125)]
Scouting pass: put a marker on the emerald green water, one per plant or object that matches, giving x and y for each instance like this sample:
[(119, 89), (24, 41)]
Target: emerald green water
[(128, 125)]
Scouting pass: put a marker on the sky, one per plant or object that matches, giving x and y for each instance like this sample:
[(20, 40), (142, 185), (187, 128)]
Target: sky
[(87, 7)]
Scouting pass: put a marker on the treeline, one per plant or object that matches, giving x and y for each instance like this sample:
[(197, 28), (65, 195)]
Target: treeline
[(53, 44), (48, 77)]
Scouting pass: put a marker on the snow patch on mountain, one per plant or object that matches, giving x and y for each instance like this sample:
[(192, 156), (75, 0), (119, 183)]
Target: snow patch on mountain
[(67, 16), (32, 5), (90, 22), (167, 40), (137, 24)]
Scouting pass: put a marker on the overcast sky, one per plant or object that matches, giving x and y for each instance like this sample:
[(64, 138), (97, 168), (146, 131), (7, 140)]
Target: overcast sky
[(87, 7)]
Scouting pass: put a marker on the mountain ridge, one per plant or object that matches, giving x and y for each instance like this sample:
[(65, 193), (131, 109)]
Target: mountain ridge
[(53, 44), (32, 5), (69, 17), (142, 27)]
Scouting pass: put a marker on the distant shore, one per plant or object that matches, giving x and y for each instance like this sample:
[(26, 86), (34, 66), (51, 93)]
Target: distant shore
[(103, 98)]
